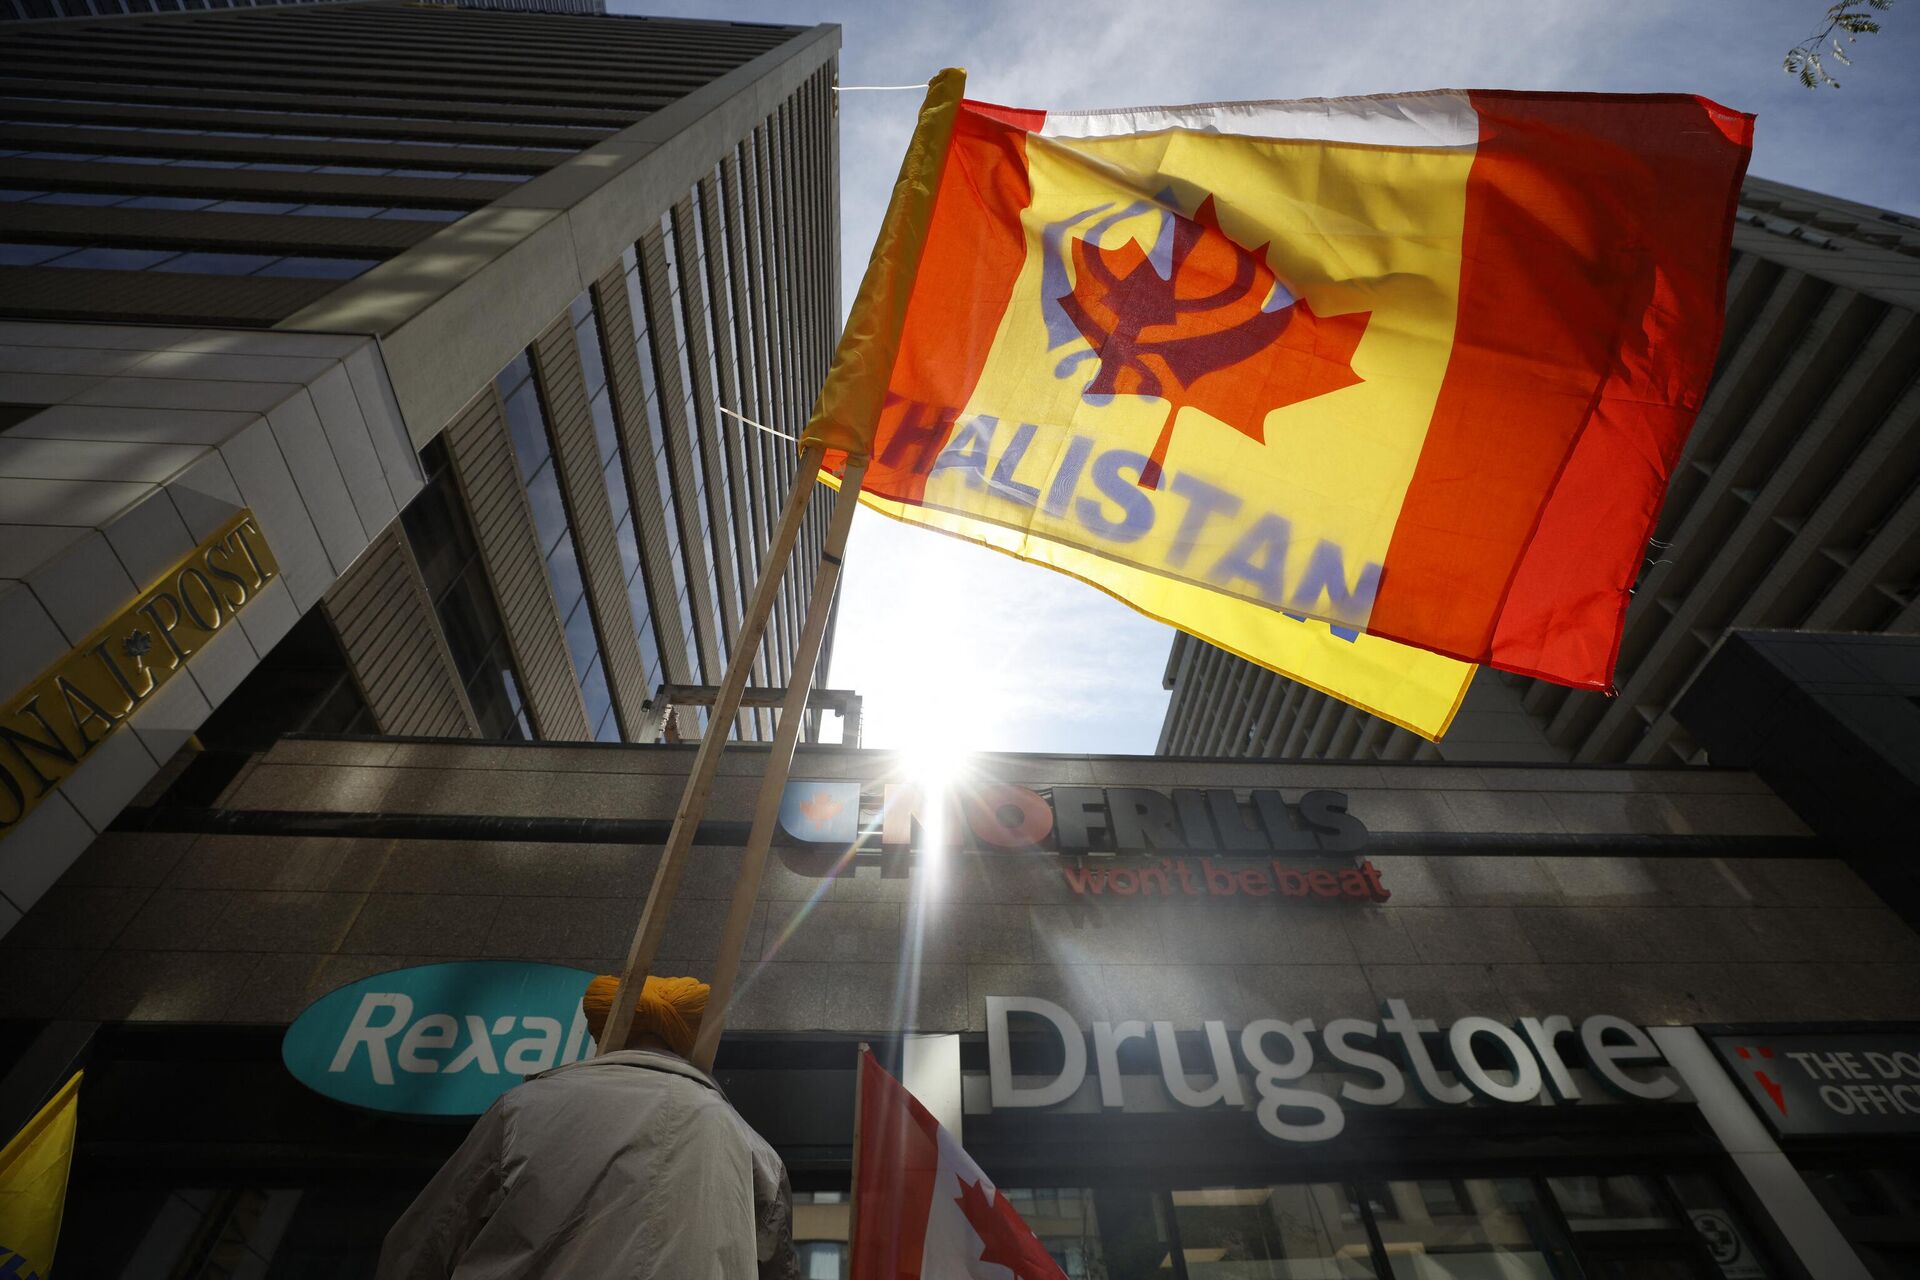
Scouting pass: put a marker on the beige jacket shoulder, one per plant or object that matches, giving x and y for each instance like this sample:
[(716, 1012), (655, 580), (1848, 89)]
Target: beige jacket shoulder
[(629, 1166)]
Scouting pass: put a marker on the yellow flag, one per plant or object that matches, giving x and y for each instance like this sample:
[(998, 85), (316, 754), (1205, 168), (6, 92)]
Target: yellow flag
[(33, 1186), (1364, 390)]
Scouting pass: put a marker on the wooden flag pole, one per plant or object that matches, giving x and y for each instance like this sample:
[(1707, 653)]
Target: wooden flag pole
[(726, 704), (773, 784), (853, 1186)]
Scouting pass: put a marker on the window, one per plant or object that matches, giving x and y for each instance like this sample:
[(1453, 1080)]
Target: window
[(1300, 1229), (606, 435), (662, 473), (268, 166), (539, 471), (126, 258), (443, 543)]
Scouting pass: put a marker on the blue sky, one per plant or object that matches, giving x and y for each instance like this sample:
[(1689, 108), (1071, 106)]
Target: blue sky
[(957, 645)]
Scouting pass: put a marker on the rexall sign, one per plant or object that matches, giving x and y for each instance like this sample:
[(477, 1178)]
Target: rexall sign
[(441, 1039)]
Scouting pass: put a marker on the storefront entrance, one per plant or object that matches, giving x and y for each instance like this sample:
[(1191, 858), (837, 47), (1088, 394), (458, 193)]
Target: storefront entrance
[(1564, 1227), (201, 1158)]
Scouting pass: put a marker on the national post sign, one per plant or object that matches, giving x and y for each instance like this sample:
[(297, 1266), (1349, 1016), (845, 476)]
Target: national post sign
[(440, 1039), (50, 727), (1365, 390)]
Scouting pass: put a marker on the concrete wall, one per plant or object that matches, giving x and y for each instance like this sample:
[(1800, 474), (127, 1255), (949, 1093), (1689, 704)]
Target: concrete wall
[(151, 439), (167, 927)]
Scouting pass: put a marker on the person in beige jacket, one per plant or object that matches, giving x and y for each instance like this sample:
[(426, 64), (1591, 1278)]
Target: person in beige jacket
[(627, 1166)]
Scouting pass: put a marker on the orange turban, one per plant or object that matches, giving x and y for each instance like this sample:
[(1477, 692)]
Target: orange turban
[(668, 1007)]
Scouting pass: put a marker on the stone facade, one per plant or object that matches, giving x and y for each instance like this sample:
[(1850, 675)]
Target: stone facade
[(1623, 891)]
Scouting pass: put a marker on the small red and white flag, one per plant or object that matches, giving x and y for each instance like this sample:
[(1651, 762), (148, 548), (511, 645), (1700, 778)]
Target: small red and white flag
[(922, 1208)]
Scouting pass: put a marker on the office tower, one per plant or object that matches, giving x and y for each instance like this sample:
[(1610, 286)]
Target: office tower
[(447, 302), (1794, 506)]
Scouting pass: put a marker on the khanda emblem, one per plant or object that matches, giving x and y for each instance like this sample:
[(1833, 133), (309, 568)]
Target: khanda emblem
[(1198, 321)]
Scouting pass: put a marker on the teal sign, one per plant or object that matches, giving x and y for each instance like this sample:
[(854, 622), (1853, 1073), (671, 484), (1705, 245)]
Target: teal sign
[(821, 812), (442, 1039)]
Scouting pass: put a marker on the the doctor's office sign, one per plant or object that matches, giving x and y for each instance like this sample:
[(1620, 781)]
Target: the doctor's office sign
[(1193, 842)]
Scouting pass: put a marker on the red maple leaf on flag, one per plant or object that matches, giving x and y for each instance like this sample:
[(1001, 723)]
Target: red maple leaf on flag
[(1199, 337), (819, 807), (1008, 1241)]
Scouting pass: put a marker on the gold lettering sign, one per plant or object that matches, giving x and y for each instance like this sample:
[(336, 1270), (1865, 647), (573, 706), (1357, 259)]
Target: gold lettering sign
[(56, 722)]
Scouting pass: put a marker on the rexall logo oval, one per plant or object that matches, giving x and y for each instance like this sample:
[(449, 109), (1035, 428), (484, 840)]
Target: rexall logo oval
[(441, 1039)]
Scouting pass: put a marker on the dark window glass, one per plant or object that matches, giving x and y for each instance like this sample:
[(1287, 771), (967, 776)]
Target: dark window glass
[(320, 268), (628, 538), (98, 198), (533, 450), (593, 366), (603, 427), (423, 215), (167, 202), (593, 691), (528, 427), (563, 569), (518, 370), (581, 643), (216, 264), (251, 206), (103, 258), (618, 496), (662, 475), (28, 255), (443, 544), (338, 210), (549, 512)]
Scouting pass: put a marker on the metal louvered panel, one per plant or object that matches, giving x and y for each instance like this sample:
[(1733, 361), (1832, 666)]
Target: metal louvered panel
[(58, 293), (385, 622), (120, 115), (637, 446), (189, 229), (556, 362), (496, 498), (704, 431), (680, 433), (730, 435)]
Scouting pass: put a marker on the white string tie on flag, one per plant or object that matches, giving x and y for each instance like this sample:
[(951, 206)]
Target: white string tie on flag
[(759, 425), (875, 88)]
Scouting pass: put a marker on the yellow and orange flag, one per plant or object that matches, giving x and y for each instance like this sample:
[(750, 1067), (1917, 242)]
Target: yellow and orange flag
[(33, 1185), (1367, 390)]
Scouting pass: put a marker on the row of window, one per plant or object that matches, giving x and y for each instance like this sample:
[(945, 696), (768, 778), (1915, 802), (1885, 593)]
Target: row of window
[(358, 139), (720, 511), (761, 451), (700, 494), (662, 472), (1516, 1228), (613, 474), (596, 131), (756, 156), (449, 558), (194, 261), (540, 472), (264, 166), (215, 204)]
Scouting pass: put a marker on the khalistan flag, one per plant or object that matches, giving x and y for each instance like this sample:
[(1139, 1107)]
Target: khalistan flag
[(33, 1186)]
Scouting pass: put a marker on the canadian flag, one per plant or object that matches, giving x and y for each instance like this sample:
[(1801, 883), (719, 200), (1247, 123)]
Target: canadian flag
[(922, 1208)]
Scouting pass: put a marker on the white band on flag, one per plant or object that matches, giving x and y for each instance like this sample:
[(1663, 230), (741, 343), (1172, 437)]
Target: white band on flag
[(1443, 118)]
